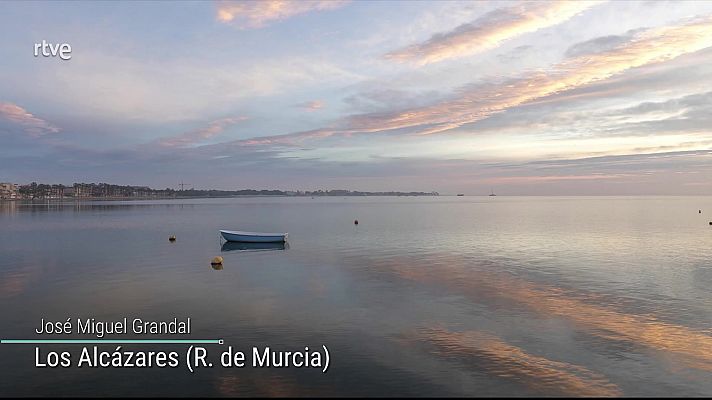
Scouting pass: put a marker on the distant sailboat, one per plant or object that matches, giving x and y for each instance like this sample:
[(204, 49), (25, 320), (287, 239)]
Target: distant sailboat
[(492, 192)]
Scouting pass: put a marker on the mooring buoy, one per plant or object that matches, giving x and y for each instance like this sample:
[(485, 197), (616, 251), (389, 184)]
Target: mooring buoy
[(355, 222), (172, 238), (216, 261)]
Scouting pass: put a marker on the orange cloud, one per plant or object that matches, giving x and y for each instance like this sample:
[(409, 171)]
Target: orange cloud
[(312, 105), (213, 129), (490, 31), (477, 103), (32, 125), (256, 14)]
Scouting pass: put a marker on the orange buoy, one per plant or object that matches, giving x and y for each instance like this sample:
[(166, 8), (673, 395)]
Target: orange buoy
[(216, 261)]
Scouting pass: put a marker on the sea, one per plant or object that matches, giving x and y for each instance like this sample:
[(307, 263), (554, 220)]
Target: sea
[(425, 296)]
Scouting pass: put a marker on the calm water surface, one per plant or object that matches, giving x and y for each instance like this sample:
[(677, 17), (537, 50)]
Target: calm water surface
[(442, 296)]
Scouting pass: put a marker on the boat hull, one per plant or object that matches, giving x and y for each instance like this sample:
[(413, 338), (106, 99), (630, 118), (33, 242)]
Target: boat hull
[(263, 246), (253, 237)]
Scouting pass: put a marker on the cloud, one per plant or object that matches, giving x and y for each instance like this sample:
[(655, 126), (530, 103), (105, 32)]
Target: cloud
[(692, 102), (189, 138), (32, 125), (477, 102), (378, 98), (550, 178), (250, 14), (115, 86), (687, 115), (289, 139), (599, 44), (490, 31), (614, 166), (311, 105)]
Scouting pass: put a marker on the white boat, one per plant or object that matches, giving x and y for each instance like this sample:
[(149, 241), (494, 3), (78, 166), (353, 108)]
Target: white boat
[(253, 237)]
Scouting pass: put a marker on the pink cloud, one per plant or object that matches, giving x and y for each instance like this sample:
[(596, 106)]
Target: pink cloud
[(473, 104), (490, 30), (32, 125), (214, 128), (250, 14), (312, 105), (476, 103)]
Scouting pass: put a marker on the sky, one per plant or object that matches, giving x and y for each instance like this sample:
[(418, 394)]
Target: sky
[(520, 97)]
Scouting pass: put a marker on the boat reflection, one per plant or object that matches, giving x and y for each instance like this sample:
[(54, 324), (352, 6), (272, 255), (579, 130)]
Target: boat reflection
[(243, 246)]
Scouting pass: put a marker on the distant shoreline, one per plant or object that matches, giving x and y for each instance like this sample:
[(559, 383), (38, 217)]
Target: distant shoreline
[(71, 199), (106, 191), (99, 199)]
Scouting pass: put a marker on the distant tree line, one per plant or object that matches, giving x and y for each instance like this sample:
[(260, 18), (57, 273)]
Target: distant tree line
[(105, 190), (253, 192), (36, 190)]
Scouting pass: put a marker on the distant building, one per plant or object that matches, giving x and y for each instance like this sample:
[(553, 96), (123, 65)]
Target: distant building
[(56, 192), (84, 190), (8, 191)]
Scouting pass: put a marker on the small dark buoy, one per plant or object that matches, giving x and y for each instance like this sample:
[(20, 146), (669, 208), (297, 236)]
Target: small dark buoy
[(172, 238), (710, 222), (699, 211), (355, 222)]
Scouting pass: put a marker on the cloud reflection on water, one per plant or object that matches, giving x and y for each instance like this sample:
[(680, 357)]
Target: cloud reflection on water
[(507, 361), (689, 346)]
